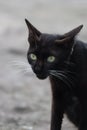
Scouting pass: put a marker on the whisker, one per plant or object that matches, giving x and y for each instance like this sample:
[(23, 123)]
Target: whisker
[(63, 71), (66, 76), (69, 63), (61, 78), (23, 72), (18, 63), (22, 67)]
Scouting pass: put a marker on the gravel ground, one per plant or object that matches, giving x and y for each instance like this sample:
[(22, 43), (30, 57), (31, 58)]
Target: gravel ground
[(25, 101)]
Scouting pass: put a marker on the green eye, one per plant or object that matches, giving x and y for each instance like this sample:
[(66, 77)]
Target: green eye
[(33, 56), (51, 59)]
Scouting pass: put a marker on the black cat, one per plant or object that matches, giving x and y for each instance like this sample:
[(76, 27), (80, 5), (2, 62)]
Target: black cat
[(64, 59)]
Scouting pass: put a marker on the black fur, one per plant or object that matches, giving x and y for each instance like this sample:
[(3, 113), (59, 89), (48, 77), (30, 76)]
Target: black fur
[(67, 73)]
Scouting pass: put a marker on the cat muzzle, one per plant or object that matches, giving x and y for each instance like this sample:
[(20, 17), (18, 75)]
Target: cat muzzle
[(42, 76)]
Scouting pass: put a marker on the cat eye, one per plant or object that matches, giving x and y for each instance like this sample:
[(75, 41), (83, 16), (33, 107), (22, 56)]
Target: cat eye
[(51, 59), (33, 56)]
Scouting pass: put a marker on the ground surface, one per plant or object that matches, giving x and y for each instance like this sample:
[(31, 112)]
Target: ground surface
[(25, 101)]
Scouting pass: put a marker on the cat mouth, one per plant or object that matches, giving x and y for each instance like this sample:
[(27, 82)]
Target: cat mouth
[(42, 76)]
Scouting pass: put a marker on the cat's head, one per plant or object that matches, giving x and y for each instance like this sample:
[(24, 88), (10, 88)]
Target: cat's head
[(48, 52)]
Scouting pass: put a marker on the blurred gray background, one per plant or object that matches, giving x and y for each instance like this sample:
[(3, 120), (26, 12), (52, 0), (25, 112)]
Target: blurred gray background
[(25, 101)]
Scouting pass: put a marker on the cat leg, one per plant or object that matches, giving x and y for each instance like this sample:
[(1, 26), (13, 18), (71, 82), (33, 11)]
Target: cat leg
[(73, 111), (83, 119), (57, 115)]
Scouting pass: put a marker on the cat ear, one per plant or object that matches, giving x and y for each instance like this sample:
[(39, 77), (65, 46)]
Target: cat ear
[(34, 34), (63, 40), (73, 32), (67, 37)]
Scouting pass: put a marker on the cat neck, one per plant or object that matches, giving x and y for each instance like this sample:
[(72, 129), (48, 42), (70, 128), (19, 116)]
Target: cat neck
[(71, 51), (68, 67)]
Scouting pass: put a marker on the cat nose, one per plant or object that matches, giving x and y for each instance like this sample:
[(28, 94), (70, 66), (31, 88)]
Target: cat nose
[(37, 69)]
